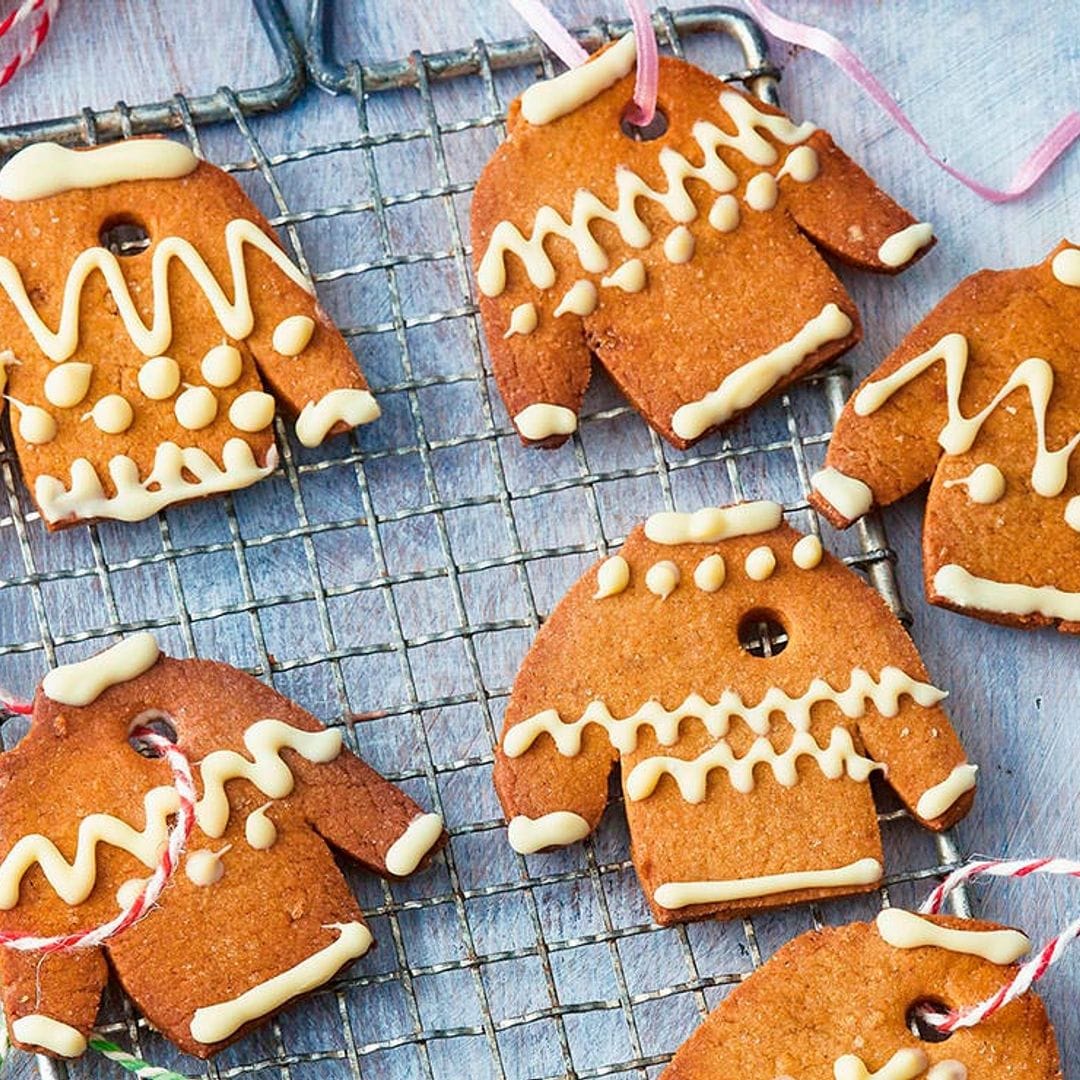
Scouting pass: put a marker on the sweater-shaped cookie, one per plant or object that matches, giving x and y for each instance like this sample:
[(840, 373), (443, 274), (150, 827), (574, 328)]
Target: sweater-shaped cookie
[(835, 1004), (257, 912), (982, 399), (686, 264), (745, 776), (139, 376)]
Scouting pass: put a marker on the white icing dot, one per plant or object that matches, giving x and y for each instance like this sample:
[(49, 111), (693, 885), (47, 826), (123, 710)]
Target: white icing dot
[(709, 574), (725, 213), (580, 299), (68, 384), (205, 867), (1072, 513), (679, 245), (130, 891), (662, 578), (252, 410), (159, 378), (222, 365), (801, 164), (291, 335), (523, 320), (762, 192), (630, 277), (807, 553), (259, 831), (196, 408), (760, 563), (612, 576), (36, 426), (1066, 267), (113, 414)]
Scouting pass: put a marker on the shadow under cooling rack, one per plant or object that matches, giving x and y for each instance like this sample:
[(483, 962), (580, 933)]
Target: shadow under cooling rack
[(392, 580)]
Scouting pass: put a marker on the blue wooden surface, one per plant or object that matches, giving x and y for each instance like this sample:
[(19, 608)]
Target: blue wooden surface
[(982, 81)]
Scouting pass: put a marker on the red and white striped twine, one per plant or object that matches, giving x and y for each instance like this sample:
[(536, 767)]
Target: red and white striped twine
[(38, 34), (171, 855), (1029, 972)]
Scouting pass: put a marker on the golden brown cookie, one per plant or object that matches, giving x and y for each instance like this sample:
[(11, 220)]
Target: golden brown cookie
[(745, 776), (139, 377), (834, 1005), (982, 400), (686, 264), (256, 914)]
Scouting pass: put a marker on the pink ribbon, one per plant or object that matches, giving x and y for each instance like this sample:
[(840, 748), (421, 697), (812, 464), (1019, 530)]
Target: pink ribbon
[(1064, 134), (565, 46)]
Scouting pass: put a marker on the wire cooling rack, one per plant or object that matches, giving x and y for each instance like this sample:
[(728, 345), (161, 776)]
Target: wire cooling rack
[(392, 581)]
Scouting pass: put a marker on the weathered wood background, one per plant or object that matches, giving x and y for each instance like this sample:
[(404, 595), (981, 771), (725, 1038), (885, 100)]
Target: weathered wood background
[(983, 81)]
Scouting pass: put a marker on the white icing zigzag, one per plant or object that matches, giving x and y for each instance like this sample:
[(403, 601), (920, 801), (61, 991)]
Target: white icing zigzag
[(692, 776), (236, 316), (884, 693), (675, 200), (1050, 470)]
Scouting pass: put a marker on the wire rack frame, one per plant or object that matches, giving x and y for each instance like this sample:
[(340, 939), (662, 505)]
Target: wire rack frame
[(549, 1031)]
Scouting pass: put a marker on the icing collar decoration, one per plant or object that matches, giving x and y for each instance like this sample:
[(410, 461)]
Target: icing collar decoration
[(45, 169), (82, 683)]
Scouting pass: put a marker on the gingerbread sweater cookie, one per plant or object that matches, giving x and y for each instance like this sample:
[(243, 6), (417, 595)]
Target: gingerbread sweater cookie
[(139, 378), (834, 1004), (256, 914), (982, 399), (686, 264), (745, 776)]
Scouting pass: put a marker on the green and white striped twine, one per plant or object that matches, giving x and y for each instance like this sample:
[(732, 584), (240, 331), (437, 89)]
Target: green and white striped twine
[(143, 1070), (130, 1063)]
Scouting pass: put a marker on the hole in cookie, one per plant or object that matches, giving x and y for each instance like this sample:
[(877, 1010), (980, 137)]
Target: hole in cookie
[(761, 633), (158, 722), (124, 235), (919, 1026), (652, 130)]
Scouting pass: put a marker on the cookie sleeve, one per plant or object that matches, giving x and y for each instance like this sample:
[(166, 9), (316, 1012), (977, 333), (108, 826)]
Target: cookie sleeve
[(51, 1001), (352, 807), (844, 212), (886, 442), (924, 761)]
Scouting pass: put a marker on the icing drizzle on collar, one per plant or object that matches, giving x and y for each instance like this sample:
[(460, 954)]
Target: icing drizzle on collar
[(45, 169)]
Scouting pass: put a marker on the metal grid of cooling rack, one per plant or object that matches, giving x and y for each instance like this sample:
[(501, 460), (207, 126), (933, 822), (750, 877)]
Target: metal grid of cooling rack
[(391, 582)]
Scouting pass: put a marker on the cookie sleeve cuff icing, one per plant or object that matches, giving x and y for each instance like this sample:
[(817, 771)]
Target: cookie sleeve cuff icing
[(408, 850), (941, 798), (49, 1034), (561, 827), (847, 495)]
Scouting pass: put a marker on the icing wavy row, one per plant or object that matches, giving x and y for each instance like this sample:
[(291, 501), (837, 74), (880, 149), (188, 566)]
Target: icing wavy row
[(835, 760), (169, 481), (675, 200), (884, 693), (236, 316)]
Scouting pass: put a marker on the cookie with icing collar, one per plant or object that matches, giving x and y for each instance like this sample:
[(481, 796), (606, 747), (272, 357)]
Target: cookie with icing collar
[(746, 776), (833, 1005), (257, 911), (688, 265), (148, 376), (982, 401)]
